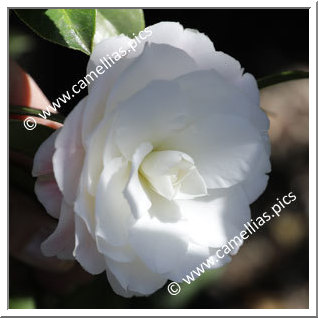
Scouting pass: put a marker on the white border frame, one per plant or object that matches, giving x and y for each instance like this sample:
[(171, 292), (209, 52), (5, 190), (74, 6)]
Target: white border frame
[(312, 165)]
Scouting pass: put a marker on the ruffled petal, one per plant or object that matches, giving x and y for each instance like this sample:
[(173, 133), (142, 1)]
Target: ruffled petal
[(255, 186), (166, 115), (42, 162), (100, 88), (134, 193), (117, 288), (69, 154), (197, 45), (215, 219), (166, 211), (135, 277), (201, 49), (224, 98), (170, 63), (105, 49), (112, 212), (123, 254), (224, 157), (49, 194), (84, 207), (85, 250), (161, 246), (197, 256), (62, 241)]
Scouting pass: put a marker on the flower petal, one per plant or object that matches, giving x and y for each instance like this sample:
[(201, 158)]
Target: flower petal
[(195, 256), (112, 212), (224, 98), (123, 254), (84, 207), (197, 45), (248, 84), (224, 157), (100, 88), (136, 277), (160, 246), (117, 288), (134, 193), (61, 242), (255, 186), (201, 49), (85, 250), (166, 115), (106, 48), (49, 194), (42, 163), (167, 211), (69, 154), (170, 63), (215, 219)]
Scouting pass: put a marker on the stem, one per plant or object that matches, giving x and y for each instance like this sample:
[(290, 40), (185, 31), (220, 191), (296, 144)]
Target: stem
[(281, 77)]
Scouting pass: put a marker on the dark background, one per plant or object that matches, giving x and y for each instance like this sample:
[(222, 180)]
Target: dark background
[(271, 269), (263, 40)]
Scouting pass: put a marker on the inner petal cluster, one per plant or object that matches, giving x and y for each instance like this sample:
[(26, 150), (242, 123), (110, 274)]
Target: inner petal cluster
[(173, 175)]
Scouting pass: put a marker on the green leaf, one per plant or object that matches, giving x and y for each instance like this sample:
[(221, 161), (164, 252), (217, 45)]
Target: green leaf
[(73, 28), (21, 303), (112, 22), (19, 43), (28, 111), (280, 78)]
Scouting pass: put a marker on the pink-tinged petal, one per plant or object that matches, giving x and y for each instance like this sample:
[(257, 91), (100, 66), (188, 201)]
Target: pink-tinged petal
[(62, 241), (42, 163), (69, 155), (49, 194), (85, 250)]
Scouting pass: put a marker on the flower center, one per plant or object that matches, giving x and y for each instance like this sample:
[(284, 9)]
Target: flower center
[(173, 175)]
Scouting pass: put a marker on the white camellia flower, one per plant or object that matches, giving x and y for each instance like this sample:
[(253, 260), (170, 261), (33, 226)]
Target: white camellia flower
[(155, 169)]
